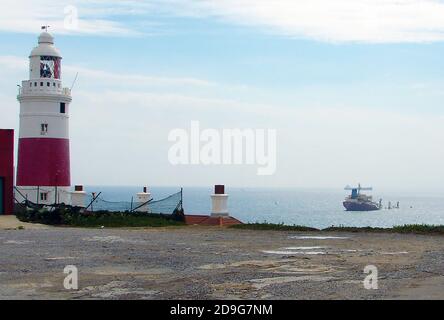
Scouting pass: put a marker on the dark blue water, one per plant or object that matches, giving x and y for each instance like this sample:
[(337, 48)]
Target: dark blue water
[(308, 207)]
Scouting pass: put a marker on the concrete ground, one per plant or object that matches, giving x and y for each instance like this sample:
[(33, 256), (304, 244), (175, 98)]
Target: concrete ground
[(216, 263), (11, 222)]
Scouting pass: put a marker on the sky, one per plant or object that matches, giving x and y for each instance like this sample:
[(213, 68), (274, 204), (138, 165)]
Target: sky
[(353, 88)]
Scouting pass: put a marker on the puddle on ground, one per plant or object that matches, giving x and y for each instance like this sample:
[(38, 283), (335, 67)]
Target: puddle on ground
[(247, 263), (304, 248), (46, 283), (212, 266), (260, 263), (18, 242), (305, 269), (113, 239), (318, 237), (264, 282), (395, 253), (288, 252)]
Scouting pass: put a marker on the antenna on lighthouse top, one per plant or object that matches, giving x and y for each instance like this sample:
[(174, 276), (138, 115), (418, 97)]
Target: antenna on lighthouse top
[(74, 82), (45, 28)]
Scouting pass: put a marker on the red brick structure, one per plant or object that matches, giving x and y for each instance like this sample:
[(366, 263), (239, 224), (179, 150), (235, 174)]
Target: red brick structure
[(6, 171), (203, 220)]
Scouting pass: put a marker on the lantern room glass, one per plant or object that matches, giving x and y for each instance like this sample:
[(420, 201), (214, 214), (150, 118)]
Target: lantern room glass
[(50, 67)]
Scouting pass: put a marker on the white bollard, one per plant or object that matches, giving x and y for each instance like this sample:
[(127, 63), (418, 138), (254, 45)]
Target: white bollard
[(78, 197), (143, 197), (219, 201)]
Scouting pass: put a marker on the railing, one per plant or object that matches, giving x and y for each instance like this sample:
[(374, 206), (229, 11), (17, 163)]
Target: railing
[(28, 87)]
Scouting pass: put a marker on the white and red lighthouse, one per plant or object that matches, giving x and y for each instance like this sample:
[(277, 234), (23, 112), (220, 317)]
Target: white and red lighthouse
[(43, 169)]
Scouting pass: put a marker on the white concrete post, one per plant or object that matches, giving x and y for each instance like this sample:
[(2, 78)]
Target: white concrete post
[(143, 197), (78, 197), (219, 201)]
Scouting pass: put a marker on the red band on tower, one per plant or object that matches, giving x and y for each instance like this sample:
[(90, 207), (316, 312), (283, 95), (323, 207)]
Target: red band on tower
[(43, 162)]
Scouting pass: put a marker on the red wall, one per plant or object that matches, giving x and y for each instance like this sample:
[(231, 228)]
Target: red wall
[(7, 167)]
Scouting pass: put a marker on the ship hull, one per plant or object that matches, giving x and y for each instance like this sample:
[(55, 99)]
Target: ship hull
[(360, 206)]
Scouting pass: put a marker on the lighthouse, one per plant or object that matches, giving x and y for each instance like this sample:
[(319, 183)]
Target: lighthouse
[(43, 168)]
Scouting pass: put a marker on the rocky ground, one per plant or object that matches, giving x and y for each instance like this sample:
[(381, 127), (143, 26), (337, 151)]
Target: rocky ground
[(217, 263)]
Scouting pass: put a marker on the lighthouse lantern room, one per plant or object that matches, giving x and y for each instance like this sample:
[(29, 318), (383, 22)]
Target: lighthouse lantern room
[(43, 169)]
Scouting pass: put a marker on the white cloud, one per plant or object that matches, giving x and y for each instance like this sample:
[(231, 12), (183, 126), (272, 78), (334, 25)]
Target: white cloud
[(336, 20), (374, 21), (27, 16)]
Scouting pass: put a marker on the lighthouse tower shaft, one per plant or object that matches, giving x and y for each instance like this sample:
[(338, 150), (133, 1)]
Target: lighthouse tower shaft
[(43, 169)]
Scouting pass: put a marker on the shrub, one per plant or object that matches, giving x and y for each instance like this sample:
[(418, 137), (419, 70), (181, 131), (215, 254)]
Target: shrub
[(74, 216), (272, 226)]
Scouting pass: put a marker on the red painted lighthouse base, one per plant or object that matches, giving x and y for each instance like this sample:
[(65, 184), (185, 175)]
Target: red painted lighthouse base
[(43, 162)]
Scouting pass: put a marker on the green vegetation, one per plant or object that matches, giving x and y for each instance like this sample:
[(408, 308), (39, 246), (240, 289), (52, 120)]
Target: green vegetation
[(420, 229), (74, 217), (413, 228), (120, 219), (272, 226), (68, 216), (356, 229)]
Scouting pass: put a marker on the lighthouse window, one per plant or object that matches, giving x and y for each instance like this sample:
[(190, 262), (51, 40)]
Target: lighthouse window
[(48, 84), (35, 84), (62, 107), (44, 129), (43, 196), (50, 67), (41, 84)]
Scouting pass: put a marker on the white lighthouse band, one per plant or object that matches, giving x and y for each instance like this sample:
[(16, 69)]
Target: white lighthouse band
[(43, 169)]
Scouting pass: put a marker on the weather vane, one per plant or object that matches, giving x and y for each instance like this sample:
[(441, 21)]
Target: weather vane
[(45, 28)]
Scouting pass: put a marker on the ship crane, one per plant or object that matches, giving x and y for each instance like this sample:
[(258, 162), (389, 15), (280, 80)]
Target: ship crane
[(358, 188)]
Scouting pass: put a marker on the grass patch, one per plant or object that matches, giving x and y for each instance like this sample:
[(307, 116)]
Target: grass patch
[(356, 229), (412, 228), (117, 221), (419, 229)]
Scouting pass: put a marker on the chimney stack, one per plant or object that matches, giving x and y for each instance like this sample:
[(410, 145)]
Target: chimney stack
[(219, 201)]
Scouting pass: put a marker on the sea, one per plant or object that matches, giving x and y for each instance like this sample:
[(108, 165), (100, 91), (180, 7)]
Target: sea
[(318, 208)]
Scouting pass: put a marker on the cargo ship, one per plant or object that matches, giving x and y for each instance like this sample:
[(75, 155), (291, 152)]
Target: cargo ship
[(358, 201)]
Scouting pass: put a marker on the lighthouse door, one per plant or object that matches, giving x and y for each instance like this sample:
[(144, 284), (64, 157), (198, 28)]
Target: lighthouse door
[(2, 202)]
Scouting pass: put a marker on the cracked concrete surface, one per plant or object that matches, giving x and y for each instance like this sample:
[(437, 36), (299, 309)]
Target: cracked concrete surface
[(215, 263)]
